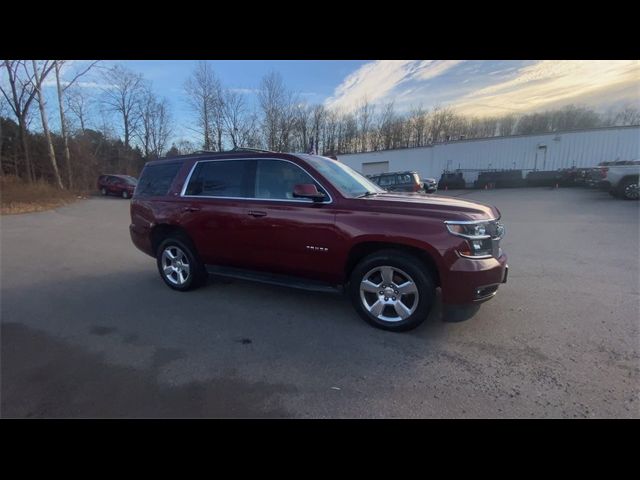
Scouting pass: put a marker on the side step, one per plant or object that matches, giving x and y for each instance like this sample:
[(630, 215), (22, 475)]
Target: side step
[(273, 279)]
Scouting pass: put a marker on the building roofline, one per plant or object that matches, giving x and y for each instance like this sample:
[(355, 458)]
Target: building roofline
[(500, 137)]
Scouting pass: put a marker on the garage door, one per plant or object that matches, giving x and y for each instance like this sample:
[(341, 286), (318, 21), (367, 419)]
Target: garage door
[(372, 168)]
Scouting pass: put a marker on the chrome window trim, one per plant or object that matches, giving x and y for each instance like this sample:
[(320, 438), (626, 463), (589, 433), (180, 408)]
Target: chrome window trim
[(193, 168)]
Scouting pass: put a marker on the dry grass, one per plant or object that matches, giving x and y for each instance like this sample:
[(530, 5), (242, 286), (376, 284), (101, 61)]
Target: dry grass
[(17, 196)]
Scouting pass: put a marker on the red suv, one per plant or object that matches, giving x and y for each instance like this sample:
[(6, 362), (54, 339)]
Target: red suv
[(311, 222), (121, 185)]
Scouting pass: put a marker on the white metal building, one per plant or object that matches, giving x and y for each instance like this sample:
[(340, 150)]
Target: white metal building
[(552, 151)]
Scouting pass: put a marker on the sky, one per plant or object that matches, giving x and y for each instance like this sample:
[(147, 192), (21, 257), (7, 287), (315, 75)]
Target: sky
[(473, 87)]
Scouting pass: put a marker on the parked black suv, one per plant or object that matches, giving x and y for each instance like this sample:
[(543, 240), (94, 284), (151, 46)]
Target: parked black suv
[(408, 181)]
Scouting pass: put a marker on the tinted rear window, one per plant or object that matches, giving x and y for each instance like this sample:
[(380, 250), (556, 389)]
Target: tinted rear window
[(156, 180), (223, 178)]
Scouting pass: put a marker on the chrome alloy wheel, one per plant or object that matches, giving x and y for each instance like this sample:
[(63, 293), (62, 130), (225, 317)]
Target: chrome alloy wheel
[(632, 191), (175, 265), (389, 294)]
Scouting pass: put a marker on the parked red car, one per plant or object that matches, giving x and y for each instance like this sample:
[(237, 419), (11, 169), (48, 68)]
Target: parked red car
[(312, 222), (121, 185)]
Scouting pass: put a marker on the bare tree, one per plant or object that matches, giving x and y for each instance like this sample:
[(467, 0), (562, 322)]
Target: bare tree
[(384, 135), (79, 104), (507, 124), (63, 123), (418, 124), (330, 132), (629, 115), (155, 126), (318, 114), (364, 117), (40, 72), (278, 112), (20, 95), (122, 96), (238, 122), (203, 95)]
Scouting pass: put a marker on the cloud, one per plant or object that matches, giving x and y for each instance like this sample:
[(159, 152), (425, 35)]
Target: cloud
[(552, 83), (244, 91), (375, 80)]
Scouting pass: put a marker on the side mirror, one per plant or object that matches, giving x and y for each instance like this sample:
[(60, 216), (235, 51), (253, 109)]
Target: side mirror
[(308, 190)]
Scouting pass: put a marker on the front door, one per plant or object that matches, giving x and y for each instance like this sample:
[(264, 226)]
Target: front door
[(288, 235)]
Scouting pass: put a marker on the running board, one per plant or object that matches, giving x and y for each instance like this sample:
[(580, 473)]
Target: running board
[(273, 279)]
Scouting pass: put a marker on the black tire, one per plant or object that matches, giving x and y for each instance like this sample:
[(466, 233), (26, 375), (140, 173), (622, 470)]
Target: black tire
[(626, 190), (197, 274), (406, 263)]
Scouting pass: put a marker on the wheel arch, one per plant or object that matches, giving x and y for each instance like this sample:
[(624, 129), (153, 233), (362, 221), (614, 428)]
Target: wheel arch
[(425, 253), (162, 231)]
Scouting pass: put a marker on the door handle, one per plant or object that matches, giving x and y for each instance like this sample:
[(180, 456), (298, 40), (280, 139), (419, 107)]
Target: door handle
[(257, 213), (191, 209)]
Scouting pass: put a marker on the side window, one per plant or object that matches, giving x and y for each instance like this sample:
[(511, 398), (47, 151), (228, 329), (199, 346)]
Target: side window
[(386, 181), (222, 178), (156, 180), (275, 179)]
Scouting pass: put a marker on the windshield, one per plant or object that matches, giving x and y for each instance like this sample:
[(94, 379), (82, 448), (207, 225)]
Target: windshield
[(348, 182)]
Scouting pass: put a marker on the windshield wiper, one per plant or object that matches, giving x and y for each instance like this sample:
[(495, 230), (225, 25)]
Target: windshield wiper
[(367, 194)]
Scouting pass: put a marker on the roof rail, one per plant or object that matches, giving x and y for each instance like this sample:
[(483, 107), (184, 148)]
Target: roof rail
[(244, 149), (233, 150)]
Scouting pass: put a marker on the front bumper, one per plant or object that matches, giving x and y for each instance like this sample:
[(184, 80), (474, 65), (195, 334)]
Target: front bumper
[(473, 281)]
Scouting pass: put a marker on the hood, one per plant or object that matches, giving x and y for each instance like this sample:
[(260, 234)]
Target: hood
[(447, 208)]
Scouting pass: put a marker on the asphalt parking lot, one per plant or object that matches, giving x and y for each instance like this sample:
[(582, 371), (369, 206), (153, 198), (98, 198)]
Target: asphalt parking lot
[(90, 330)]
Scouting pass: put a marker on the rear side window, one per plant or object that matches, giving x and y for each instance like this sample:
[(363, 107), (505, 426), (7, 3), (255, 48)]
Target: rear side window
[(223, 178), (156, 180)]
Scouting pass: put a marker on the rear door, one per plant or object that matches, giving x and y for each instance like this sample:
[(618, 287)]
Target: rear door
[(215, 210)]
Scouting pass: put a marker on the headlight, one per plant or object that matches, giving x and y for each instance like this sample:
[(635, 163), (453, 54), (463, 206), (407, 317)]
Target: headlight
[(468, 230), (481, 237)]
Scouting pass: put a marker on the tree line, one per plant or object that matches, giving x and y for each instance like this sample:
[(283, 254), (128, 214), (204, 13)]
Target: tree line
[(119, 123)]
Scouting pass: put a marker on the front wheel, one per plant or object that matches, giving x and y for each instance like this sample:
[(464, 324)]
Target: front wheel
[(392, 290)]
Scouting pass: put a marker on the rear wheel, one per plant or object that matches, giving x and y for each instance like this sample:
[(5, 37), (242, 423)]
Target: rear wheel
[(179, 265), (392, 290), (628, 189)]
